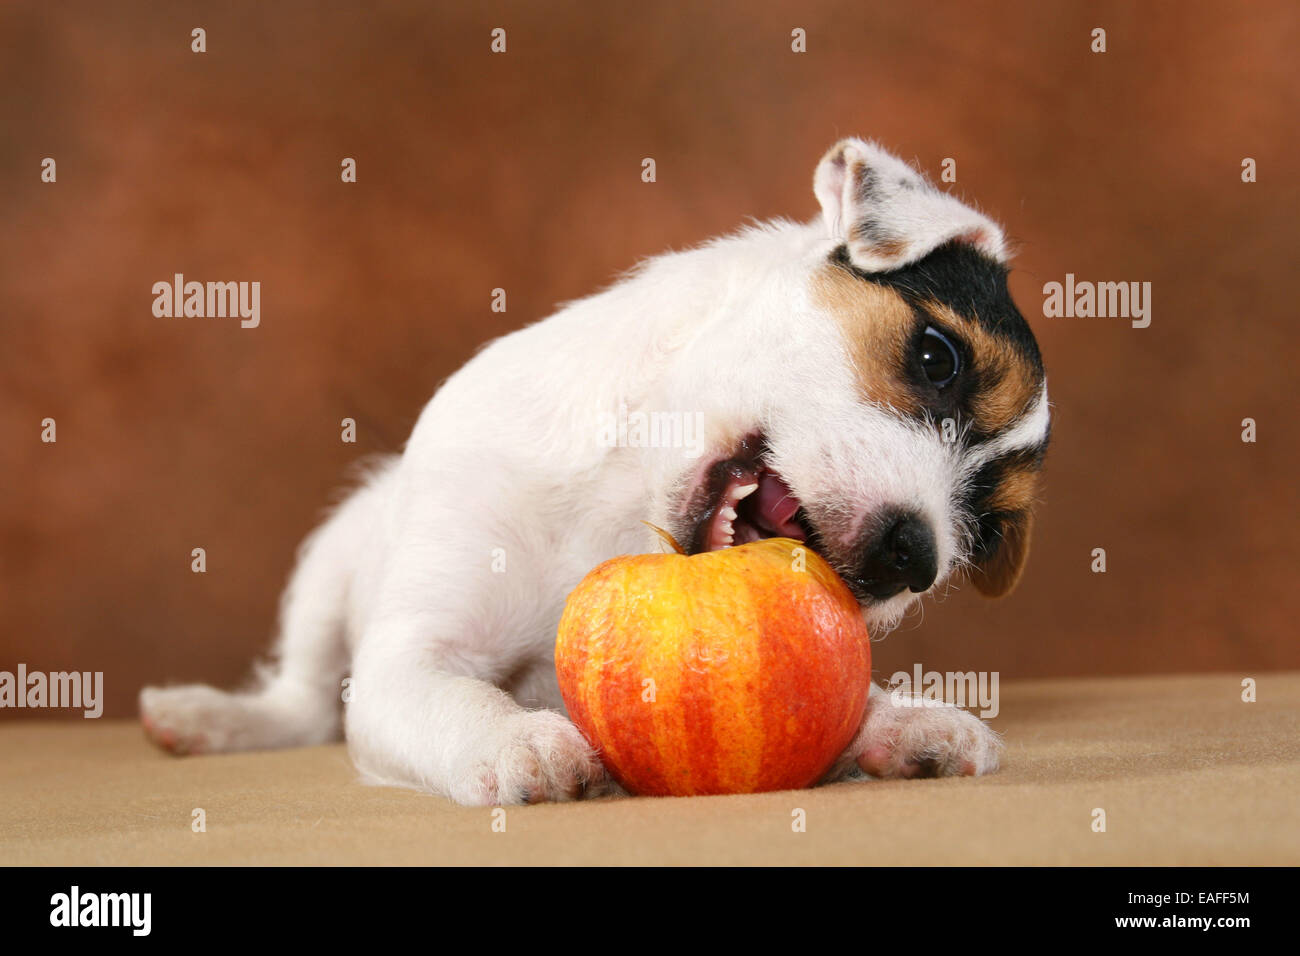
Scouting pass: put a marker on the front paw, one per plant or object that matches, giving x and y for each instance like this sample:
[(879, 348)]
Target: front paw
[(923, 740), (535, 756)]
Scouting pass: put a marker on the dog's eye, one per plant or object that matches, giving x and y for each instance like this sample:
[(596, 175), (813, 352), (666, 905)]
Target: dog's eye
[(939, 358)]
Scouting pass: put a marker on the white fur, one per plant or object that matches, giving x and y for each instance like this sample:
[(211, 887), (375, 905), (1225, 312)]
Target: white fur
[(453, 687)]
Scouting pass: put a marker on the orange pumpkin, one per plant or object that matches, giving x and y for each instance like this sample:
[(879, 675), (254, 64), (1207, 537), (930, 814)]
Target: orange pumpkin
[(732, 671)]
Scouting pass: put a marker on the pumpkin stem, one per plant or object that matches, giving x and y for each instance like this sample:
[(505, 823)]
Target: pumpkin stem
[(665, 535)]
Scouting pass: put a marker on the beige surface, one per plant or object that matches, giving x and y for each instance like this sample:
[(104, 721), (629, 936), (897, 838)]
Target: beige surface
[(1186, 772)]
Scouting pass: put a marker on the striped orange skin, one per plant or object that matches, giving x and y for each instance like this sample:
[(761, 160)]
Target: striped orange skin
[(725, 672)]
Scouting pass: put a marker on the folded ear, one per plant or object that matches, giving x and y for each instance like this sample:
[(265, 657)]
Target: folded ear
[(996, 567), (888, 214)]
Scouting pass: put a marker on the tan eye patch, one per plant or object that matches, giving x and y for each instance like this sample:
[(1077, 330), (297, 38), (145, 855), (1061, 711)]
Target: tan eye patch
[(1008, 382), (877, 325)]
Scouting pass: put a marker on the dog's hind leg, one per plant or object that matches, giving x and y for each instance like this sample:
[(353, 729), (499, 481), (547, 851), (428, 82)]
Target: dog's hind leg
[(295, 699)]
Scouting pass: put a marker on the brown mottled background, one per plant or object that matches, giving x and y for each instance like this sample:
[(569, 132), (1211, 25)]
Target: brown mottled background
[(522, 171)]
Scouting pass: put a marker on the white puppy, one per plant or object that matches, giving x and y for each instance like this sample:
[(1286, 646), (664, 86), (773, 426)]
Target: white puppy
[(863, 383)]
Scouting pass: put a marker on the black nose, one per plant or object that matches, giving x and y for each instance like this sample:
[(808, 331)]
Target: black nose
[(899, 554)]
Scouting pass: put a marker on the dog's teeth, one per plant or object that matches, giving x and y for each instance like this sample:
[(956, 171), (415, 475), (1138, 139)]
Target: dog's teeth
[(729, 530), (745, 491), (728, 514)]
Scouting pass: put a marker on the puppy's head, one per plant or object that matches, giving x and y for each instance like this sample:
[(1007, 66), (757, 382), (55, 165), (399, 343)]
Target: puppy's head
[(881, 397)]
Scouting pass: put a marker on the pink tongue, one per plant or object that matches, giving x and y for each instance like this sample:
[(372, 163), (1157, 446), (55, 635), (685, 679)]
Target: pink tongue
[(776, 506)]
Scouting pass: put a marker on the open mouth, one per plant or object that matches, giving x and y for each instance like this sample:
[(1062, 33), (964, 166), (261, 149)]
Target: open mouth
[(741, 500)]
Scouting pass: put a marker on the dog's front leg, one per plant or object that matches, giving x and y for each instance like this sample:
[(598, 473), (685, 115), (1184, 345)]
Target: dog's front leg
[(913, 738), (444, 633), (413, 722)]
